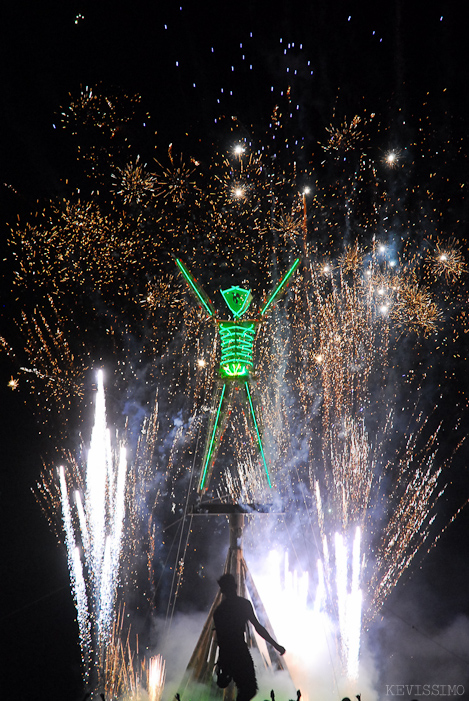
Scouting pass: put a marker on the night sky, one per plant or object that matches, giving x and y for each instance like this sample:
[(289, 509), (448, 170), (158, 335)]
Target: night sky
[(193, 63)]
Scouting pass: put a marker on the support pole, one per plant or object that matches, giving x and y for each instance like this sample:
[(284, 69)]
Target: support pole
[(198, 680)]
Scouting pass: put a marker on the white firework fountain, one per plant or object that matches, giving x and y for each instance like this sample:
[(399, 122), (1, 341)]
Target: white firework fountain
[(93, 535)]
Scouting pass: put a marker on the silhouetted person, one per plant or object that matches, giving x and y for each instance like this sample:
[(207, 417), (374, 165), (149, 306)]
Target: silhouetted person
[(234, 659)]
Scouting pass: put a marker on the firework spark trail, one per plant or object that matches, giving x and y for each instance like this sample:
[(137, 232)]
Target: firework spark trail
[(348, 592), (418, 487), (351, 331), (320, 589), (156, 678), (100, 526), (77, 579), (121, 674), (53, 361), (113, 547), (140, 509)]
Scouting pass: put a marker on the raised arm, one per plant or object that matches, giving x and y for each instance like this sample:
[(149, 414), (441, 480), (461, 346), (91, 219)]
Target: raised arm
[(196, 290), (280, 287)]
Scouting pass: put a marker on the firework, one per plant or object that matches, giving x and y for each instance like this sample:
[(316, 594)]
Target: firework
[(100, 516), (348, 349), (13, 383), (415, 308), (331, 376), (346, 136), (176, 181), (133, 184), (352, 259), (349, 600), (392, 157), (155, 678), (447, 260)]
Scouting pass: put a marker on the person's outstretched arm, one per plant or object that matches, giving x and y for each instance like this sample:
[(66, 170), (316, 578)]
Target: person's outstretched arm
[(265, 633)]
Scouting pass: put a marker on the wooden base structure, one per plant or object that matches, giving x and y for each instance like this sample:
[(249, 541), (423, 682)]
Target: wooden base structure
[(199, 679)]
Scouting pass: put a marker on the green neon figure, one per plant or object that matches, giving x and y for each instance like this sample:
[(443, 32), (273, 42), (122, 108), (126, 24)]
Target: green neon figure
[(237, 338)]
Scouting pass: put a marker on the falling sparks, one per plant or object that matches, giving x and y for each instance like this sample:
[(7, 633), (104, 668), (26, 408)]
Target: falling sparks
[(330, 375)]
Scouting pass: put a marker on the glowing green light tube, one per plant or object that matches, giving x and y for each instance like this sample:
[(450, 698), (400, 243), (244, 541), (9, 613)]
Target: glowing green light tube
[(280, 286), (194, 287), (209, 452), (258, 435)]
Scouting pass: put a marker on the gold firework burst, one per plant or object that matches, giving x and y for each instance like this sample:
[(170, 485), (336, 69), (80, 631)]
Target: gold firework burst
[(415, 308), (133, 184), (288, 225), (447, 260), (351, 260), (346, 136), (175, 181)]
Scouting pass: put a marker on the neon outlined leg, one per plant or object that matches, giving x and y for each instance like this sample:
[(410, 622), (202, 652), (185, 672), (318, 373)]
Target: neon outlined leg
[(258, 433), (217, 425)]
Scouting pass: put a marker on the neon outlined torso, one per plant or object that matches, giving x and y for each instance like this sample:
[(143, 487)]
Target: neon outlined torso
[(237, 347)]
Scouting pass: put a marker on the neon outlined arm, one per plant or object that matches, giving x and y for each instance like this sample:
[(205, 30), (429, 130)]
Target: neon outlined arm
[(211, 447), (195, 288), (280, 287), (259, 440)]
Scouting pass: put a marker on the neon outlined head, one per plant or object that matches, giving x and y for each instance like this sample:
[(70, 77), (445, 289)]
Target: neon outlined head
[(237, 300)]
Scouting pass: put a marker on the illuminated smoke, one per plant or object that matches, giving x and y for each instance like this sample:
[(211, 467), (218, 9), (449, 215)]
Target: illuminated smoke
[(349, 601)]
